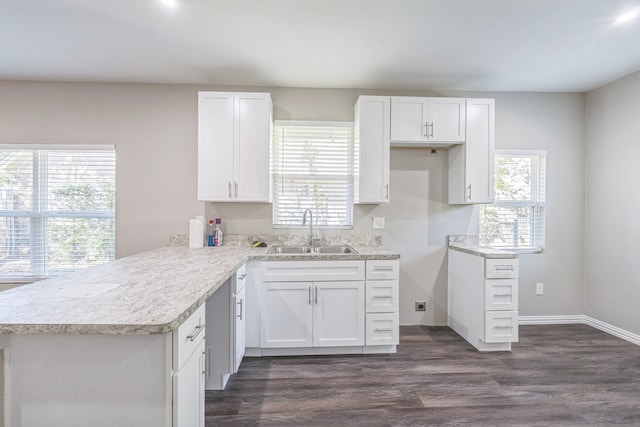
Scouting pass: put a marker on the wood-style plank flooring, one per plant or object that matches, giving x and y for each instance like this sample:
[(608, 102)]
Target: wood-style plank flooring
[(560, 375)]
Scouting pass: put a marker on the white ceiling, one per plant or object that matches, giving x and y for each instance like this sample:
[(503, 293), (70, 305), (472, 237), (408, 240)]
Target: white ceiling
[(503, 45)]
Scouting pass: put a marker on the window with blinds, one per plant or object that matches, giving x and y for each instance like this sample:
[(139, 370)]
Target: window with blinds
[(312, 168), (56, 209), (516, 220)]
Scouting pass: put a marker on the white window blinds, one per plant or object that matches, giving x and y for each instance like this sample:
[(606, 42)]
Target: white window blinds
[(312, 168), (516, 218), (56, 209)]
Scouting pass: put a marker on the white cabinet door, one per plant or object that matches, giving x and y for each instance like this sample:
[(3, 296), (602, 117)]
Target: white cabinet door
[(471, 165), (287, 314), (440, 121), (372, 144), (338, 318), (446, 119), (252, 143), (239, 328), (188, 390), (234, 134), (215, 145), (409, 118)]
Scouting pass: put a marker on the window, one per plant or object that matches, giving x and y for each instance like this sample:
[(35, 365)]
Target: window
[(312, 168), (56, 209), (516, 218)]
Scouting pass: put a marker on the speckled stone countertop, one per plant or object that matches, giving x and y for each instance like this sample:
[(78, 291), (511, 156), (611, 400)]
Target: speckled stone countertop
[(470, 245), (149, 293)]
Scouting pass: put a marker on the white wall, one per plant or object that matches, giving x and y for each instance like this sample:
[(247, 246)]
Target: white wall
[(154, 129), (612, 289)]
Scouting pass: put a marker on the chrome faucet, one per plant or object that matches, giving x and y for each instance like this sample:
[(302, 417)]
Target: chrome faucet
[(304, 222)]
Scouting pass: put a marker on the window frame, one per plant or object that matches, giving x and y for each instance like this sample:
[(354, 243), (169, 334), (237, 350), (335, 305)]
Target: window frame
[(537, 202), (351, 189), (39, 213)]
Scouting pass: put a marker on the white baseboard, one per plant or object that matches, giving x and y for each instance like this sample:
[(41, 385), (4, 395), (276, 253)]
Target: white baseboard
[(581, 319)]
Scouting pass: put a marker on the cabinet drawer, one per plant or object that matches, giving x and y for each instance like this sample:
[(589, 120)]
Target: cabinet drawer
[(501, 294), (381, 296), (500, 326), (382, 329), (292, 271), (501, 268), (241, 278), (188, 335), (383, 269)]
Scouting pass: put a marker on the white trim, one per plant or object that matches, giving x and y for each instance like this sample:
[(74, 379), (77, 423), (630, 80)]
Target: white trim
[(72, 147), (523, 153), (584, 320), (319, 123)]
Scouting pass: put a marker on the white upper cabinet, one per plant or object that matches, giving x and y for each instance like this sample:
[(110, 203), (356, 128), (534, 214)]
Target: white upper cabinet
[(372, 116), (417, 121), (471, 165), (234, 136)]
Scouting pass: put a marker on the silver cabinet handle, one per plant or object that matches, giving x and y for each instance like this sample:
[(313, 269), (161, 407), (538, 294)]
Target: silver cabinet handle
[(426, 130), (236, 185), (196, 332), (309, 295), (242, 277), (502, 295), (504, 268), (383, 268), (431, 133), (382, 297), (207, 361), (469, 191), (384, 330), (229, 189), (387, 193), (240, 304), (316, 295)]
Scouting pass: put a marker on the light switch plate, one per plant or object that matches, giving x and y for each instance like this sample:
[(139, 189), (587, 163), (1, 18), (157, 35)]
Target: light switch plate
[(378, 223)]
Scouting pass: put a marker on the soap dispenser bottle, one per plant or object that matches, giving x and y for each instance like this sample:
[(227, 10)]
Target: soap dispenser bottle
[(217, 233)]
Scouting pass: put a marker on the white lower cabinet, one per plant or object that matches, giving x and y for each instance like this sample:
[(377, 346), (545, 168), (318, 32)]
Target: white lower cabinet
[(189, 369), (226, 337), (382, 306), (323, 307), (483, 300), (312, 314)]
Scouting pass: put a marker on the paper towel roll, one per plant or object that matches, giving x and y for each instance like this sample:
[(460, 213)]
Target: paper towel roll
[(196, 233)]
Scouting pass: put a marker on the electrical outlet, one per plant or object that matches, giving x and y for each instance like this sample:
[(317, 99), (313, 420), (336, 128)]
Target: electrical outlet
[(378, 223), (539, 288), (421, 306)]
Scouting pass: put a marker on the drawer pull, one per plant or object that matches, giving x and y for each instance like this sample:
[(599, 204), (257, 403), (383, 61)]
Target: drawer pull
[(383, 330), (240, 304), (504, 267), (383, 268), (242, 277), (382, 297), (503, 327), (196, 332), (503, 295)]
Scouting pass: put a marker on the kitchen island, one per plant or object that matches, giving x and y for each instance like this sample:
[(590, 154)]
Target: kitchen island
[(110, 345)]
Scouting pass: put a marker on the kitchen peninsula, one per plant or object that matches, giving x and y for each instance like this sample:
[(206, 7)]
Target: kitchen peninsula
[(111, 345)]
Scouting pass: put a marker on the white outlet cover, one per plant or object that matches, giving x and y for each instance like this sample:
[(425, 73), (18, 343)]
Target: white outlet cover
[(378, 223)]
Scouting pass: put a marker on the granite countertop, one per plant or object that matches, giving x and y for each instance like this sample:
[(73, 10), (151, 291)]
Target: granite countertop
[(149, 293), (483, 251)]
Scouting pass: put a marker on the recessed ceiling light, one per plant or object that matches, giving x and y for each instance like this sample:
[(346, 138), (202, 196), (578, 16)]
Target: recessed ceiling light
[(626, 17), (169, 3)]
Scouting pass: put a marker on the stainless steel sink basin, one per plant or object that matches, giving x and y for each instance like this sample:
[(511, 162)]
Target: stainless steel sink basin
[(317, 250), (289, 250), (334, 250)]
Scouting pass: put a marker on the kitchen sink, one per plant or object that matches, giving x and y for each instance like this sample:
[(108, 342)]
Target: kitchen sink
[(311, 250)]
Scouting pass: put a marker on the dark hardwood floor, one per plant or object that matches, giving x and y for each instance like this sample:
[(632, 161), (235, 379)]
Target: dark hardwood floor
[(560, 375)]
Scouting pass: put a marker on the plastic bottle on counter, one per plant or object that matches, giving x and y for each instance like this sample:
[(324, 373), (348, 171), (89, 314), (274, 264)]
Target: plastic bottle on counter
[(210, 234), (217, 233)]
